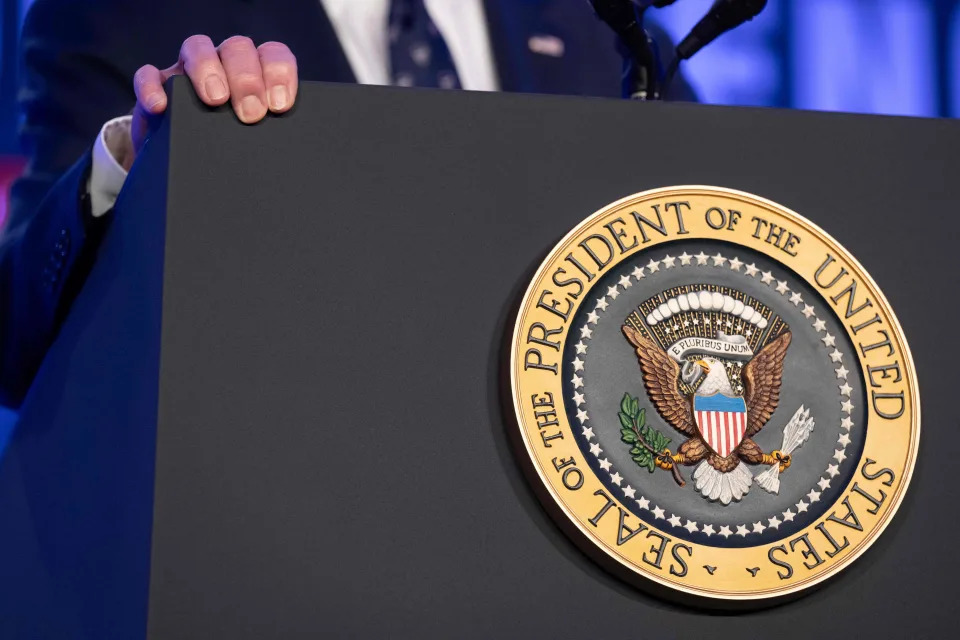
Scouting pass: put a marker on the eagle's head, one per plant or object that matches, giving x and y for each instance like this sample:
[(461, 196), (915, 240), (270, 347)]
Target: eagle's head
[(715, 378)]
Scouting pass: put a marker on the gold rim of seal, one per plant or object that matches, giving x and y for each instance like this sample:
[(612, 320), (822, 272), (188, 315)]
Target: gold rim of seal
[(905, 472)]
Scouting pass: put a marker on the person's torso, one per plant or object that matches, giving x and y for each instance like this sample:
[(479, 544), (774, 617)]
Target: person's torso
[(537, 46)]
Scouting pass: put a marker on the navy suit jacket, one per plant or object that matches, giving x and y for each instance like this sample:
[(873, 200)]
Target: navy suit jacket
[(78, 61)]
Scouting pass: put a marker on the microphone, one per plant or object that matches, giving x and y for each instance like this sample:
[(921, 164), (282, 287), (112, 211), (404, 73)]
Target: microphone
[(723, 16), (641, 77)]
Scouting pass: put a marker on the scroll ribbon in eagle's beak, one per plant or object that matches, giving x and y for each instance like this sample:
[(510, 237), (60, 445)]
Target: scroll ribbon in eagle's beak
[(704, 366)]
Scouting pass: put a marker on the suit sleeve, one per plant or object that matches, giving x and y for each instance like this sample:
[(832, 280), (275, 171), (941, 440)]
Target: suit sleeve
[(70, 84)]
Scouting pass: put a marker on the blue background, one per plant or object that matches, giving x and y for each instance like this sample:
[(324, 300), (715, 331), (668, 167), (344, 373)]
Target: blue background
[(871, 56)]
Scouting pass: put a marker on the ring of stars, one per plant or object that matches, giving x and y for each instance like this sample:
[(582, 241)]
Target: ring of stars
[(792, 297)]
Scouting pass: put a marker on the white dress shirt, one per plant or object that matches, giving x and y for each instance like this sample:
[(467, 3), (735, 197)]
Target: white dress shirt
[(361, 27)]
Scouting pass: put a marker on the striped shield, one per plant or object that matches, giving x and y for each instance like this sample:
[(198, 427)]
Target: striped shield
[(722, 421)]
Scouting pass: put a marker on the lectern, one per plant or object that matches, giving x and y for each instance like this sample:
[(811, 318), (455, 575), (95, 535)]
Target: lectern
[(276, 408)]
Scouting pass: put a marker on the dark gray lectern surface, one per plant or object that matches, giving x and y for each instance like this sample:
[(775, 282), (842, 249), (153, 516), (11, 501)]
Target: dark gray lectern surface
[(324, 382)]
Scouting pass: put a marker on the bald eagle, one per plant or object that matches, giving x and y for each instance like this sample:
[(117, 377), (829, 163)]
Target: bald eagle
[(719, 421)]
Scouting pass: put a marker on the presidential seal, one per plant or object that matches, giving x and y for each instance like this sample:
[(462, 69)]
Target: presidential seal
[(714, 394)]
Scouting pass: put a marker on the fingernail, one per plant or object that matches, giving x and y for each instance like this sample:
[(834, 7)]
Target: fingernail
[(251, 109), (215, 88), (279, 97)]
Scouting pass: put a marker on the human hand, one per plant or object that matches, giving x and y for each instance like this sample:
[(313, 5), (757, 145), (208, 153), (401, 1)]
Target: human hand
[(254, 79)]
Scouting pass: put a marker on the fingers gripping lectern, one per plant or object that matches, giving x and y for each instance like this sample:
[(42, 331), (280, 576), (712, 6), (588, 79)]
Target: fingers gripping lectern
[(281, 406)]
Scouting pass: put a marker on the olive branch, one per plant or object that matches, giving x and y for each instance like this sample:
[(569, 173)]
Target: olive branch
[(648, 443)]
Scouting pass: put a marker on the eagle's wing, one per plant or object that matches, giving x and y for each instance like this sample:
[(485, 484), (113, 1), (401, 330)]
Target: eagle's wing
[(660, 375), (761, 379)]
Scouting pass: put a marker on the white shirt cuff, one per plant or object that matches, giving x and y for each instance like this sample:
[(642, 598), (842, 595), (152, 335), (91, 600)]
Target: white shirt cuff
[(107, 175)]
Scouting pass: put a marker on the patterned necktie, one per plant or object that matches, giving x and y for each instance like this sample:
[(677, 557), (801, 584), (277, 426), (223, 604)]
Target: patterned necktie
[(419, 57)]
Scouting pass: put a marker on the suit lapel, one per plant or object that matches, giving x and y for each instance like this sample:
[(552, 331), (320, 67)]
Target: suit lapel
[(507, 23), (329, 48)]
